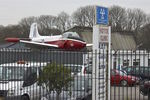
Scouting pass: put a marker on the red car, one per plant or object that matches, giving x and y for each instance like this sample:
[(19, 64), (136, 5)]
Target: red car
[(121, 78)]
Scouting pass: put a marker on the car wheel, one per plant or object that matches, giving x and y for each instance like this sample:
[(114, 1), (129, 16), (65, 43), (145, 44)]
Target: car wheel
[(25, 97), (124, 83)]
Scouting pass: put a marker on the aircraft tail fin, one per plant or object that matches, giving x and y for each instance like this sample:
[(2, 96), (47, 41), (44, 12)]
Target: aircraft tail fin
[(34, 31)]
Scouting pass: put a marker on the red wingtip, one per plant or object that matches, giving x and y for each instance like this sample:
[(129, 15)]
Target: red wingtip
[(12, 39)]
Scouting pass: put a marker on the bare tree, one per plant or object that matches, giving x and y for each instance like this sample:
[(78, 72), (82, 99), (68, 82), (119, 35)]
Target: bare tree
[(84, 16), (130, 18), (63, 21), (148, 19), (10, 31), (143, 37), (46, 23), (136, 18), (89, 14), (25, 24), (117, 18)]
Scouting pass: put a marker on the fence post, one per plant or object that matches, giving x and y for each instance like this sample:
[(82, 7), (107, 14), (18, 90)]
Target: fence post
[(148, 93)]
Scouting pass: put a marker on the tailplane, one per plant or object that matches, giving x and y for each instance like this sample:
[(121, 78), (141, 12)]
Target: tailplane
[(34, 31)]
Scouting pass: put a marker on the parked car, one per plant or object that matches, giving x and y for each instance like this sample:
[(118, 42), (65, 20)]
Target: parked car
[(121, 78), (79, 69), (18, 80), (145, 88), (81, 87), (143, 72)]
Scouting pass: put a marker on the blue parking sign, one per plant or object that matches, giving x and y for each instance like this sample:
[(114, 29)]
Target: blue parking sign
[(101, 15)]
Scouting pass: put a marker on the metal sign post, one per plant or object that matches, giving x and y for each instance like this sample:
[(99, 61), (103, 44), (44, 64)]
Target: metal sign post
[(109, 61), (95, 85), (101, 36)]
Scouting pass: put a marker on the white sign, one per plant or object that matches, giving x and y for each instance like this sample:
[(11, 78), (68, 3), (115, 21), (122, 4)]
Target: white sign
[(103, 35)]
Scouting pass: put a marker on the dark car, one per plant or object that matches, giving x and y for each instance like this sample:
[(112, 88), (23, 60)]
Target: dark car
[(145, 88), (143, 72)]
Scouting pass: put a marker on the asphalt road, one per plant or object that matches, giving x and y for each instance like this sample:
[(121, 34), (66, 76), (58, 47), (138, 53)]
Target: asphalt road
[(126, 93)]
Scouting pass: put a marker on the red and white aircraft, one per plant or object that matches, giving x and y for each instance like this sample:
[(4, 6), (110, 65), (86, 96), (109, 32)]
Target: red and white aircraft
[(67, 41)]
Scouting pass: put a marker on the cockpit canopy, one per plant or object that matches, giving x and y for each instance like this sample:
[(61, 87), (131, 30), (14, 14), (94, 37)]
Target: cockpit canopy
[(71, 35)]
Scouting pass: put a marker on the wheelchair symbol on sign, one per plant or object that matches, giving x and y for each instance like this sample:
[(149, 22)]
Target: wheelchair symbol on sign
[(102, 12), (101, 15)]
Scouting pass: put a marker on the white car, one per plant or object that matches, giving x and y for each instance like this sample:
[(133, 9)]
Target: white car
[(18, 81), (79, 69)]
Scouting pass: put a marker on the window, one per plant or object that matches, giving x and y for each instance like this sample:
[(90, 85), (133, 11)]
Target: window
[(136, 62), (148, 62), (126, 62), (88, 69), (11, 73)]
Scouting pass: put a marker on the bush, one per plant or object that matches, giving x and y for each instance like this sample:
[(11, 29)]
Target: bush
[(55, 77)]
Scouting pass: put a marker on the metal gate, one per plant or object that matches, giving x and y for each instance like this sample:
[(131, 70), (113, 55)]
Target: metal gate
[(69, 75)]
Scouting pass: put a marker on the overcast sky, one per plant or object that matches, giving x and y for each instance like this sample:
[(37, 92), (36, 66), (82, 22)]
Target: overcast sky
[(11, 11)]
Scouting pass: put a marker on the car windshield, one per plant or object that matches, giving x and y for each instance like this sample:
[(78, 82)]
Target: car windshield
[(122, 73), (74, 68), (11, 73), (88, 69)]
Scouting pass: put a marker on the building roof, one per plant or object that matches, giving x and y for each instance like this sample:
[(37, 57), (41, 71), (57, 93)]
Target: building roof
[(123, 41), (120, 40), (13, 45), (5, 45)]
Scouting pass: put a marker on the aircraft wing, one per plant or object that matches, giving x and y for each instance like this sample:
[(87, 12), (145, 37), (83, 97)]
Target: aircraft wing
[(38, 44), (89, 45)]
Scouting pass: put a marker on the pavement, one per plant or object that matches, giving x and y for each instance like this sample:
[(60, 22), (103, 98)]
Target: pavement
[(126, 93)]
